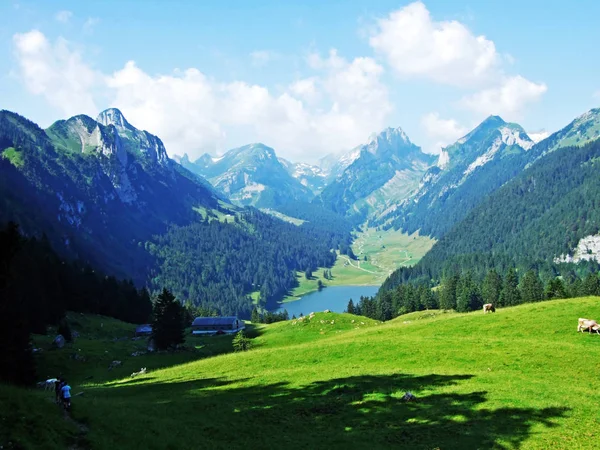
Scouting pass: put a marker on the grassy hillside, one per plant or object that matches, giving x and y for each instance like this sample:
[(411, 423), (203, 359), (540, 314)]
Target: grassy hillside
[(519, 378), (385, 251)]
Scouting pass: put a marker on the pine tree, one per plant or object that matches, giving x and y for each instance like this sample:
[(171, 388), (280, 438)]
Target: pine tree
[(350, 307), (428, 299), (448, 292), (555, 289), (255, 317), (532, 288), (591, 284), (492, 286), (384, 307), (168, 325), (510, 295), (319, 285), (241, 342), (468, 297)]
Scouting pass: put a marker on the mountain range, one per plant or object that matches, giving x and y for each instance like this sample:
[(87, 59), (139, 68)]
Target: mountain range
[(107, 193)]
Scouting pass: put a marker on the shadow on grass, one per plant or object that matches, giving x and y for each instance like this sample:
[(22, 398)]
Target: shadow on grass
[(353, 412)]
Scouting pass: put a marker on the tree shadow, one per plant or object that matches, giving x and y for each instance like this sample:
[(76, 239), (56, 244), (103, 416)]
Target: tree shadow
[(353, 412)]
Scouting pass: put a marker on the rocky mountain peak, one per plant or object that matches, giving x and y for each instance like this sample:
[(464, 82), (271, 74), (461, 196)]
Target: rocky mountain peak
[(113, 116)]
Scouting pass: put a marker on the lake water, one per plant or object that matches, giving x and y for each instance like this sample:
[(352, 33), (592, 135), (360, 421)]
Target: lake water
[(334, 298)]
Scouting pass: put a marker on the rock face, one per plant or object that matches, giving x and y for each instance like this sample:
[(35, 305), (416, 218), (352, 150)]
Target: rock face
[(380, 173), (96, 188), (250, 175), (588, 249)]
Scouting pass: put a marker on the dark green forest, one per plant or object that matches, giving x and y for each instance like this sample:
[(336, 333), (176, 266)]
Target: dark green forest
[(539, 215), (37, 287), (214, 264)]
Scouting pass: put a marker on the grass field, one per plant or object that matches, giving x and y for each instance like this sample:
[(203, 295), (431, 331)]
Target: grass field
[(519, 378), (385, 252)]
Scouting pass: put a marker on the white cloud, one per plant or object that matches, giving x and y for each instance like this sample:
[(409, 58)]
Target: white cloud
[(261, 57), (332, 111), (441, 132), (446, 51), (508, 99), (90, 24), (56, 72), (537, 136), (63, 16)]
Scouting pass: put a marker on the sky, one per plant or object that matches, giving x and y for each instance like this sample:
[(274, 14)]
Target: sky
[(306, 78)]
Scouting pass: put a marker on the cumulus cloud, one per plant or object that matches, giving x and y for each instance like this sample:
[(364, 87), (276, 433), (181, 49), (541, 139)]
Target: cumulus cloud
[(446, 52), (56, 72), (441, 132), (508, 99), (63, 16), (332, 111)]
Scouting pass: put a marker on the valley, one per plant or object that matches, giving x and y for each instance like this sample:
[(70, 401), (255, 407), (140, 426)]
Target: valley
[(385, 251)]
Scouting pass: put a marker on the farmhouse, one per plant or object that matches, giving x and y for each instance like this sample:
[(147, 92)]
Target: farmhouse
[(143, 330), (214, 325)]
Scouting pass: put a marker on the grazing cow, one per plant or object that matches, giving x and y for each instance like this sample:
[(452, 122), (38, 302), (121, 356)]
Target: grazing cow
[(588, 324), (488, 307), (48, 385)]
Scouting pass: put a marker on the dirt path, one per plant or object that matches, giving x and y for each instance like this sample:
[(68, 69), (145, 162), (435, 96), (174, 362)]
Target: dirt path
[(81, 442)]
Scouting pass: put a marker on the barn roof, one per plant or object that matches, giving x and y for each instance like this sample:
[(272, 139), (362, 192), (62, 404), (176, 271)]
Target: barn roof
[(212, 321)]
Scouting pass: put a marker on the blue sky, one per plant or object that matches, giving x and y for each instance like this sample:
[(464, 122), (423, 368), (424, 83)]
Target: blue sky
[(307, 79)]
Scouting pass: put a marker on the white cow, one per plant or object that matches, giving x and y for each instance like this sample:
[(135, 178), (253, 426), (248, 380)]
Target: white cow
[(588, 324)]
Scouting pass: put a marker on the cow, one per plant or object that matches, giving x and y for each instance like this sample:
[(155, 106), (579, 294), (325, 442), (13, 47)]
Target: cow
[(588, 324), (488, 307)]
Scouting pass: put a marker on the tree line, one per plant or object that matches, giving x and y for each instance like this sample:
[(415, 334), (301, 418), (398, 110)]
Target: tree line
[(37, 287), (216, 265), (464, 292)]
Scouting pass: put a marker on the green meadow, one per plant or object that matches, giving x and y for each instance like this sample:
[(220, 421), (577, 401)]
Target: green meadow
[(520, 378), (385, 252)]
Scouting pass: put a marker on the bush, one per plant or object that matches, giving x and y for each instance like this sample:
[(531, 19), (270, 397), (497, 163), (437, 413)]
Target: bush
[(241, 342)]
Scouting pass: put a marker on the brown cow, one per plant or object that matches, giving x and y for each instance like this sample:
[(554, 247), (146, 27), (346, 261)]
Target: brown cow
[(488, 307)]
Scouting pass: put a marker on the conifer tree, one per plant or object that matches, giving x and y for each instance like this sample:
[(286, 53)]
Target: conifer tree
[(168, 326), (491, 288), (350, 307), (532, 288), (555, 289), (591, 284), (468, 297), (448, 292), (510, 294), (255, 317)]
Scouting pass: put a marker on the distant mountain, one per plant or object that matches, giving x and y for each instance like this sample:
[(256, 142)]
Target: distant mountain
[(467, 171), (313, 177), (583, 129), (97, 188), (380, 173), (251, 175)]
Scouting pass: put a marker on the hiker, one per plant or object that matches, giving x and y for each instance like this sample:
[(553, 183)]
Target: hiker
[(66, 395), (57, 389)]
